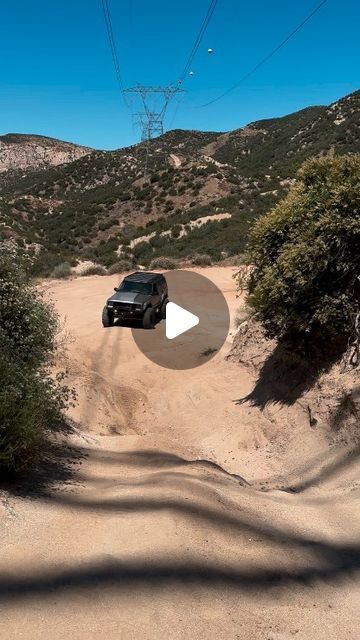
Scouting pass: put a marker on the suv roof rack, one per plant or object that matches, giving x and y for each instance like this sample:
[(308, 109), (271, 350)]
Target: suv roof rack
[(143, 276)]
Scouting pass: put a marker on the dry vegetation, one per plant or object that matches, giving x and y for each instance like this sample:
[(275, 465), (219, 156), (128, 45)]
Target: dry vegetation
[(98, 206)]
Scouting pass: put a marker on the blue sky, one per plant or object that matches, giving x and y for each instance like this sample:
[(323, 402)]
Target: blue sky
[(57, 77)]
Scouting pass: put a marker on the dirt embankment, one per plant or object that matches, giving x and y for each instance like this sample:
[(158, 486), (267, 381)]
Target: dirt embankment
[(318, 400)]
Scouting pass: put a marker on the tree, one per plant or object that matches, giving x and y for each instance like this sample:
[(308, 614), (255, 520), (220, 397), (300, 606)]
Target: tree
[(306, 254), (31, 400)]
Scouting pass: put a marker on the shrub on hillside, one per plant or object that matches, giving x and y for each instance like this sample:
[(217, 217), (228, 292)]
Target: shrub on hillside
[(31, 401), (94, 270), (305, 253), (163, 262), (233, 261), (201, 260), (62, 270), (120, 267), (176, 230)]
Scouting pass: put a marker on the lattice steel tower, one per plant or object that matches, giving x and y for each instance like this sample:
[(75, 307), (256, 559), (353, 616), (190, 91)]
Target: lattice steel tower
[(151, 120)]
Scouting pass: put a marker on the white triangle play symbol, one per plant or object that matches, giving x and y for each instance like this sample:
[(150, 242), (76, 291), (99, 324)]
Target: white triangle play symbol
[(178, 320)]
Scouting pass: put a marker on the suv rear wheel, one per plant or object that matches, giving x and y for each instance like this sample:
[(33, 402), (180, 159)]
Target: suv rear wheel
[(149, 318), (107, 318)]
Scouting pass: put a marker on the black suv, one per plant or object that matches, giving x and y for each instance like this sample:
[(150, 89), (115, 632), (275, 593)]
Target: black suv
[(140, 296)]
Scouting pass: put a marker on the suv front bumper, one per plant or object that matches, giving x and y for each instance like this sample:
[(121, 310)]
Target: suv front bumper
[(125, 311)]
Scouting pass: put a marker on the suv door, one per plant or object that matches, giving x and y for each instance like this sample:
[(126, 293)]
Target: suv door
[(164, 288), (156, 295)]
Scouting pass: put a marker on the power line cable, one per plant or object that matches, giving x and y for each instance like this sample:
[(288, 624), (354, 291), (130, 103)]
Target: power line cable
[(198, 39), (110, 32), (174, 116), (193, 52), (267, 57)]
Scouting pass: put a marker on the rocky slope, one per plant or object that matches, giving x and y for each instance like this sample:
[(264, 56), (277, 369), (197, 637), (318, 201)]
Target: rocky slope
[(182, 193), (24, 152)]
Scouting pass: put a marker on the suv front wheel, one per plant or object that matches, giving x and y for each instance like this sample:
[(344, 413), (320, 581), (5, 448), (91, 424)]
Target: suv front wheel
[(149, 318), (107, 318)]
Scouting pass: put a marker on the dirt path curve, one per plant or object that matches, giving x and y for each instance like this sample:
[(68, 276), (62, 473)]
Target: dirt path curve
[(161, 533)]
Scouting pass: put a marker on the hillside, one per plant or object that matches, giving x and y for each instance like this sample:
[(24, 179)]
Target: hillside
[(19, 152), (184, 192)]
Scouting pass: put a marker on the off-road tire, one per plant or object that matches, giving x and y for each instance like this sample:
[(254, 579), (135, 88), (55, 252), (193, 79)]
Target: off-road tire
[(149, 318), (107, 318), (162, 310)]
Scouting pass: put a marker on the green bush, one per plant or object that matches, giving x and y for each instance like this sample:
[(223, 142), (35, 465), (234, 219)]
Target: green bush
[(163, 262), (305, 252), (142, 249), (201, 260), (31, 400), (120, 267), (94, 270), (176, 231), (62, 270)]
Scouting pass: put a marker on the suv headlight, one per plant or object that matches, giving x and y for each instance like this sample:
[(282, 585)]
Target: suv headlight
[(110, 304)]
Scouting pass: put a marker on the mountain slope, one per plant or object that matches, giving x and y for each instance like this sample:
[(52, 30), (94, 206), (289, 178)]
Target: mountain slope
[(24, 152), (283, 143), (184, 192)]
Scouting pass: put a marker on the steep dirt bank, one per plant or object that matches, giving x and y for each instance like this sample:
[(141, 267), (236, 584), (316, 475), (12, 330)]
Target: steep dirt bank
[(313, 404), (173, 525)]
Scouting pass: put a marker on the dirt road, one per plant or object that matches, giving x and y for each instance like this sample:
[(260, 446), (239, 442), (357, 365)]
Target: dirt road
[(179, 519)]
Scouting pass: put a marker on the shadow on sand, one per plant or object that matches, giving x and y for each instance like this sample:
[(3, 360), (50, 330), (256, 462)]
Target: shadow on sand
[(325, 560), (130, 575), (286, 375)]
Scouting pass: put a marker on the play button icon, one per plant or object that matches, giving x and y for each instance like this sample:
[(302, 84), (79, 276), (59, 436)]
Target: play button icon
[(178, 320), (195, 327)]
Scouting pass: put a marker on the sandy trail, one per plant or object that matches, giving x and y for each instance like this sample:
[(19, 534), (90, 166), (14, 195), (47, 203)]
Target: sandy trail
[(162, 531)]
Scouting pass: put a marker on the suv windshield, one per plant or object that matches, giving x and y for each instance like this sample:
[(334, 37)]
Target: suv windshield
[(136, 287)]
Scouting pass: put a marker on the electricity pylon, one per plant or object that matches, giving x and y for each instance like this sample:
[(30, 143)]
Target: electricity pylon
[(150, 123), (150, 120)]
